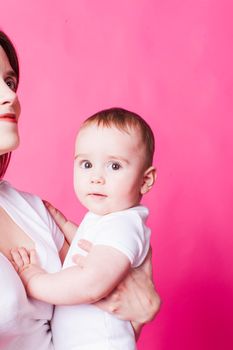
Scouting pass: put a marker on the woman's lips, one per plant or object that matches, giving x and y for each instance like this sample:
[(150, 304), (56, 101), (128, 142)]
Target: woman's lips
[(8, 117)]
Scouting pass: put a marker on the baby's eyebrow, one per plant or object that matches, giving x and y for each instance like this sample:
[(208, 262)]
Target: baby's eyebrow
[(80, 156), (118, 158)]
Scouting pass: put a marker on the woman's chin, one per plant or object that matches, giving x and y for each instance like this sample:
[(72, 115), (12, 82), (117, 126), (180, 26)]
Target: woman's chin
[(11, 145)]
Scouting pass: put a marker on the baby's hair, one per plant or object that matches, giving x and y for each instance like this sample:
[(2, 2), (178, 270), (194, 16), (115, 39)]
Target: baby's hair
[(125, 120)]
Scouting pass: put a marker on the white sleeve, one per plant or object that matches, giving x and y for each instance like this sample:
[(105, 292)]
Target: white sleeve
[(126, 232)]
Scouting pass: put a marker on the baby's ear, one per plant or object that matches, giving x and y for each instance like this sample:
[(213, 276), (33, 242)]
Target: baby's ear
[(149, 178)]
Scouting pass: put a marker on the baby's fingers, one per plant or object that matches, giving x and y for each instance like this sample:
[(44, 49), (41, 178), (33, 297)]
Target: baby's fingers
[(17, 258), (24, 255), (33, 257), (14, 265)]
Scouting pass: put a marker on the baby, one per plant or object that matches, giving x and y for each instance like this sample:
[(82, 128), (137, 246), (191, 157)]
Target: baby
[(112, 170)]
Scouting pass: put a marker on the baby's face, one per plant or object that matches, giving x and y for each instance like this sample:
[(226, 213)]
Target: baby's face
[(108, 168)]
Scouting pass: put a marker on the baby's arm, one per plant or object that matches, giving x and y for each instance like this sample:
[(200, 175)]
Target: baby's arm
[(104, 268)]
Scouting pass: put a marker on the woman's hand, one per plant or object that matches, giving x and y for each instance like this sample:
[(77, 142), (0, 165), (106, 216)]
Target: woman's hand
[(67, 227), (135, 298)]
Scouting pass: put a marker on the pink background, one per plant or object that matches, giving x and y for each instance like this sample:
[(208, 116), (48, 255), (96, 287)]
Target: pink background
[(170, 61)]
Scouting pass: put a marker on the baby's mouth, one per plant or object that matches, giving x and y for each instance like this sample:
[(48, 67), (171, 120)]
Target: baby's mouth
[(97, 194)]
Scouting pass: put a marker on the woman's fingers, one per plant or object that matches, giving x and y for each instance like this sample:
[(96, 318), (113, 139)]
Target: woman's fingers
[(111, 303), (78, 260), (56, 214), (85, 245)]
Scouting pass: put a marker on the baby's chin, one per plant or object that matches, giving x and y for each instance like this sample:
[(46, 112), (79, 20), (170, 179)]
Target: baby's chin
[(100, 211), (106, 211)]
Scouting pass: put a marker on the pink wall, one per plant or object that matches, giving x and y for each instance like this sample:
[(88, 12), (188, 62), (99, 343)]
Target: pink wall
[(170, 61)]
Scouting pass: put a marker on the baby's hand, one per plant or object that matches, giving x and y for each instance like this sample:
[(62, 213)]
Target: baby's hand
[(26, 264)]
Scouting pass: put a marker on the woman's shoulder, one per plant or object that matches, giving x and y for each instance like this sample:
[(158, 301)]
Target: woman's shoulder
[(19, 196), (29, 205), (6, 186)]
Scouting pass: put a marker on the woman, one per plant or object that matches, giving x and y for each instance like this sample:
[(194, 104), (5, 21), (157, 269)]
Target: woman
[(25, 221)]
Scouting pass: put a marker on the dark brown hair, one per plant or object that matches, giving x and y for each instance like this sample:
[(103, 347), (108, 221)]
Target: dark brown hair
[(10, 51), (125, 120)]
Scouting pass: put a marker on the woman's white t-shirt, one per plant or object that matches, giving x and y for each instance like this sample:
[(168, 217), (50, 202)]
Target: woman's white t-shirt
[(25, 322)]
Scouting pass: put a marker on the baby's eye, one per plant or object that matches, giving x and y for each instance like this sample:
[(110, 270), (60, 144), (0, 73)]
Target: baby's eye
[(11, 83), (114, 165), (85, 164)]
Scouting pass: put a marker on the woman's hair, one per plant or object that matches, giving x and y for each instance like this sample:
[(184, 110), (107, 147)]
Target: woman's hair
[(10, 51), (125, 120)]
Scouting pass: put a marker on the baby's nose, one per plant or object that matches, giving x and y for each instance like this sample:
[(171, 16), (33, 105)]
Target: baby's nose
[(97, 179)]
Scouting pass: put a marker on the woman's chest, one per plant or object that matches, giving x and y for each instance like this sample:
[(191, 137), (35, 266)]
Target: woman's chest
[(11, 235), (19, 315)]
